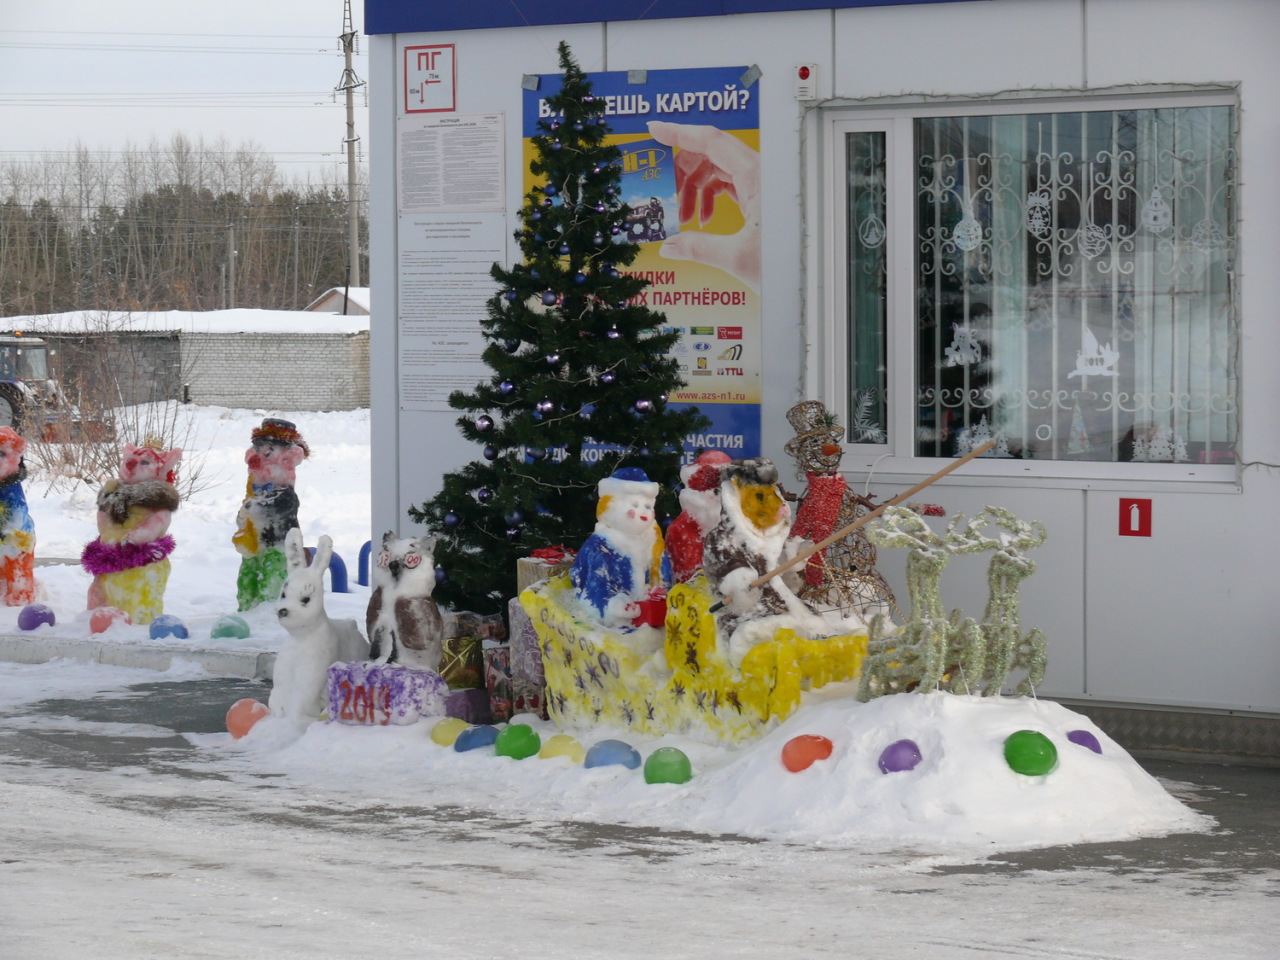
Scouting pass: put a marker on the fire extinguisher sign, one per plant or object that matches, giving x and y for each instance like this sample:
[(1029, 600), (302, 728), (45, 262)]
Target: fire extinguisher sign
[(430, 79), (1135, 517)]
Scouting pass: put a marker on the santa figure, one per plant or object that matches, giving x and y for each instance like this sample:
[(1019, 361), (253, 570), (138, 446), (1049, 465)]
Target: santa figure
[(622, 567), (269, 511), (699, 513)]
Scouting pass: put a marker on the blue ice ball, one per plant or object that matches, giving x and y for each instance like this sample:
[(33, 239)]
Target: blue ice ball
[(475, 738), (167, 625), (612, 753)]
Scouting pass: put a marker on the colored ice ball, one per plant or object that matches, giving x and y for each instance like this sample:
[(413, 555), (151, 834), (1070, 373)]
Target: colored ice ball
[(446, 732), (104, 618), (563, 745), (167, 625), (243, 715), (612, 753), (231, 625), (667, 765), (1085, 739), (474, 738), (34, 615), (899, 756), (518, 741), (800, 753), (1030, 753)]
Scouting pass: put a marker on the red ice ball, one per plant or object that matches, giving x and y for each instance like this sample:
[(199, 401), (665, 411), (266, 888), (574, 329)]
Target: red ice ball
[(801, 752), (104, 618), (243, 715)]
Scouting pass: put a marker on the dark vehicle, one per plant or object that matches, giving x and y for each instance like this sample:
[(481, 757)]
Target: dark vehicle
[(32, 403)]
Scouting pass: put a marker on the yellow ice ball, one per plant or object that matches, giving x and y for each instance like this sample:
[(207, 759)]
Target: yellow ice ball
[(446, 731), (563, 745)]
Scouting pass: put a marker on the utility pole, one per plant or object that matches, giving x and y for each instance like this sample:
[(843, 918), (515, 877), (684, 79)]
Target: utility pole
[(349, 84)]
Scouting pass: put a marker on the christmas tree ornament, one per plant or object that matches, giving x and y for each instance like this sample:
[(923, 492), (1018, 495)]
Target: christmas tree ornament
[(510, 346), (556, 145), (579, 278), (1156, 214), (608, 377), (545, 407), (1038, 216), (512, 296), (644, 406), (613, 333), (549, 298), (484, 494), (537, 454), (578, 126), (550, 190), (600, 208), (598, 239), (615, 229), (553, 359), (1093, 240), (513, 518), (563, 249), (513, 533), (967, 234), (484, 423), (490, 452), (533, 272), (505, 387), (451, 520), (535, 216)]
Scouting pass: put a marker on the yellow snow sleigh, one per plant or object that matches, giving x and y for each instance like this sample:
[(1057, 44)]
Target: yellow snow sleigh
[(680, 681)]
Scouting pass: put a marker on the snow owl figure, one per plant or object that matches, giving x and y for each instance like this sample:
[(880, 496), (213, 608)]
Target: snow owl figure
[(403, 622)]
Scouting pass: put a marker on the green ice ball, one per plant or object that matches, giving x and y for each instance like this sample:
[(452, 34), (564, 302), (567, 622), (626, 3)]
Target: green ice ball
[(1030, 752), (518, 740), (667, 765)]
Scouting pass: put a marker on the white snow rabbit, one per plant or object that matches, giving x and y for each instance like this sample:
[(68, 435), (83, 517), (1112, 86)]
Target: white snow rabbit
[(315, 642)]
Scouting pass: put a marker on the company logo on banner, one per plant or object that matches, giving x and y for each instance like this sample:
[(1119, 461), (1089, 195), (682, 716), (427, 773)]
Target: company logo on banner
[(688, 139), (430, 79)]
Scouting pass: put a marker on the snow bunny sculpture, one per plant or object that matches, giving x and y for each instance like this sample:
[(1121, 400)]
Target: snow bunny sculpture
[(622, 564), (17, 532), (403, 621), (269, 511), (129, 560), (699, 513), (298, 690), (751, 539)]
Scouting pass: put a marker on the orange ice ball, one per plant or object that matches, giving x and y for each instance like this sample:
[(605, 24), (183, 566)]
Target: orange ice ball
[(243, 715)]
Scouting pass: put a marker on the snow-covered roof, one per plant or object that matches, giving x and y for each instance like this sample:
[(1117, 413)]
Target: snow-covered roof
[(331, 300), (188, 321)]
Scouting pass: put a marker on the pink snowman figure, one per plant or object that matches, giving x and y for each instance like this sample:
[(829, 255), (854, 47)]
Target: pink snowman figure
[(130, 558), (269, 511), (17, 532), (699, 513)]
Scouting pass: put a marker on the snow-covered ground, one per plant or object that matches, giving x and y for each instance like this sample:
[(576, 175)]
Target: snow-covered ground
[(366, 842)]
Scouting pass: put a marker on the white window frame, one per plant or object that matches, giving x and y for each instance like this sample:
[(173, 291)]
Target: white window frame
[(827, 360)]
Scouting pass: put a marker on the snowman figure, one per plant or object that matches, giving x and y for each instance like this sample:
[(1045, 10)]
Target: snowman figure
[(699, 513), (622, 566)]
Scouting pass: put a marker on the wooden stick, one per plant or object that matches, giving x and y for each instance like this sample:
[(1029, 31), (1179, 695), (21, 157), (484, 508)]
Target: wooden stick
[(844, 531)]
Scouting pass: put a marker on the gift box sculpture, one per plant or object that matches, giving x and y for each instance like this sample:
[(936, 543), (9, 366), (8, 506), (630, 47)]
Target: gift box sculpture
[(17, 532), (269, 511), (129, 560)]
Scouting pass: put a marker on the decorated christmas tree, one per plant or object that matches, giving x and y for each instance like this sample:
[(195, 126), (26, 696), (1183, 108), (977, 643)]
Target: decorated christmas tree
[(580, 373)]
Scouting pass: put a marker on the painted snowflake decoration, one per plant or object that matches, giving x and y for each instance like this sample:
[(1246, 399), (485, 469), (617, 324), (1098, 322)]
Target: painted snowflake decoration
[(1206, 234), (866, 428), (1038, 213), (1156, 215), (964, 349)]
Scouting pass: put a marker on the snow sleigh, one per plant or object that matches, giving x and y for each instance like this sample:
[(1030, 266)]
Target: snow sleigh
[(677, 679)]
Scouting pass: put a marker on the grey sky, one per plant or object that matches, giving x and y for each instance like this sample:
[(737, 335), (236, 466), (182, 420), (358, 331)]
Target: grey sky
[(107, 74)]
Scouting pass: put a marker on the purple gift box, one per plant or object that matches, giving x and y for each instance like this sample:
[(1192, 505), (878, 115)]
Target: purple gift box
[(363, 693), (469, 705), (526, 655)]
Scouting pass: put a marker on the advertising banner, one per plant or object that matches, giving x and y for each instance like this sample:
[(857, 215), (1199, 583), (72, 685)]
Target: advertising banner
[(690, 144)]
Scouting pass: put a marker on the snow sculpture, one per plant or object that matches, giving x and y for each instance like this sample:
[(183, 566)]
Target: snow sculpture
[(403, 621), (377, 694), (752, 538), (315, 642), (844, 575), (269, 511), (699, 513), (17, 532), (129, 560), (622, 565)]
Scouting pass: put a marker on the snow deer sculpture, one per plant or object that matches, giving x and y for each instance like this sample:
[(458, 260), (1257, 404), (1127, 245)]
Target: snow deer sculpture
[(315, 642)]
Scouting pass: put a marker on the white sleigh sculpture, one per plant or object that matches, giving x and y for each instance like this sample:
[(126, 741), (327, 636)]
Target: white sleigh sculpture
[(299, 683)]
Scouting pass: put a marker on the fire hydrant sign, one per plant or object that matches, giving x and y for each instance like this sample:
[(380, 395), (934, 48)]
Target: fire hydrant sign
[(690, 145), (430, 79)]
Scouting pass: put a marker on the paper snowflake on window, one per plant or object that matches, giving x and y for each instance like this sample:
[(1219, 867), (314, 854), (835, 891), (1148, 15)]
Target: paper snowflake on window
[(964, 349)]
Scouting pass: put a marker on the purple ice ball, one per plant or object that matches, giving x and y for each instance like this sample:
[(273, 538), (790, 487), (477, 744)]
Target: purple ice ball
[(899, 756), (1085, 739), (33, 615)]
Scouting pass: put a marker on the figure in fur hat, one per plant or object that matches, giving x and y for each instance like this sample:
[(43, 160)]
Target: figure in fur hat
[(623, 562), (269, 511)]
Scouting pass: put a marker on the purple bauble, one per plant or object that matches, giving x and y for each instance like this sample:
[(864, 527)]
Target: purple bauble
[(484, 422), (1085, 739), (644, 406), (549, 298), (34, 615), (899, 756)]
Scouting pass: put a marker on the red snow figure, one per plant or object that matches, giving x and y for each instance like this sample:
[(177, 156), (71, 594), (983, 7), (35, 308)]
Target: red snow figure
[(699, 513), (17, 533), (622, 565), (130, 559), (269, 511)]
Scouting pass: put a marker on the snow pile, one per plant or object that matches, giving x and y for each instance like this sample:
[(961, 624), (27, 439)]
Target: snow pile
[(961, 798)]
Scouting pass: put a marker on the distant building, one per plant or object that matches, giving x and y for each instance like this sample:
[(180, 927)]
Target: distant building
[(332, 301)]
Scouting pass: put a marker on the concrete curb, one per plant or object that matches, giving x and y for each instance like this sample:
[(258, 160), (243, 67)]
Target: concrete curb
[(249, 664)]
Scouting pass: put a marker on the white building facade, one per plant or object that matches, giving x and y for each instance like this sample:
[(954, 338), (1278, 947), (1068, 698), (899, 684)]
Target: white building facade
[(1051, 223)]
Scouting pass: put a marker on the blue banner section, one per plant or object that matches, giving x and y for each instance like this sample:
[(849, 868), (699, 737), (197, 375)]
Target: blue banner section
[(414, 16), (735, 429), (714, 96)]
